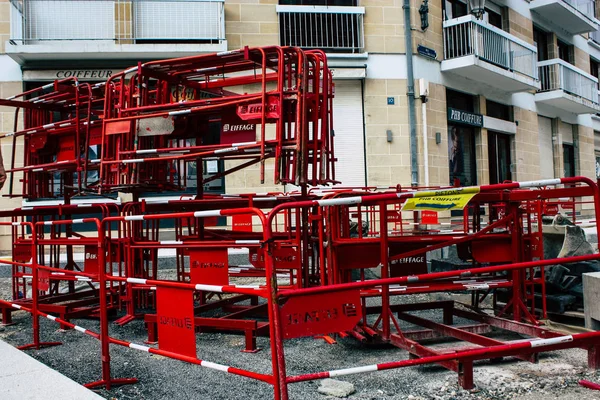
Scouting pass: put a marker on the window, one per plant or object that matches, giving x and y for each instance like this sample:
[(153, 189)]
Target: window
[(569, 159), (454, 9), (565, 51), (457, 8), (497, 110), (493, 15), (594, 68), (541, 40), (460, 100)]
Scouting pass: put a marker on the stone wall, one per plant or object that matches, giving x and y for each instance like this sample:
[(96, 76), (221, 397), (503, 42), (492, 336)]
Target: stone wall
[(251, 23), (526, 160)]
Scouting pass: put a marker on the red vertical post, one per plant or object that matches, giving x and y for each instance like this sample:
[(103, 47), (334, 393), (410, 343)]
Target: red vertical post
[(34, 289), (517, 281), (385, 290), (35, 296), (104, 340), (275, 333)]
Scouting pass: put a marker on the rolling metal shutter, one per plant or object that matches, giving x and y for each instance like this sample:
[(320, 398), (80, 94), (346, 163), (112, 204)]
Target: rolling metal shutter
[(348, 125)]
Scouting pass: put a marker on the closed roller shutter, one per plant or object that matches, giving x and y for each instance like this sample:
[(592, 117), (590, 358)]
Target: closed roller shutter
[(546, 155), (349, 139)]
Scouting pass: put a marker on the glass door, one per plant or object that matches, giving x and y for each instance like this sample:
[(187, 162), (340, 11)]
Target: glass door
[(499, 157)]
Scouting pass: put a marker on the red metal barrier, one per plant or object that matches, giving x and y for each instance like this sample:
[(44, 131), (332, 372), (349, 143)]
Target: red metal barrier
[(311, 251)]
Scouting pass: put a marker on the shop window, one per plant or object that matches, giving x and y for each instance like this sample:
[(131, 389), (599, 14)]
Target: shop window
[(597, 165), (569, 159), (499, 157), (461, 155), (461, 141)]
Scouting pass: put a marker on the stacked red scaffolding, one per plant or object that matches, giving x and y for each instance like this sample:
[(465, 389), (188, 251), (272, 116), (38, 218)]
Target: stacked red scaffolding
[(158, 117)]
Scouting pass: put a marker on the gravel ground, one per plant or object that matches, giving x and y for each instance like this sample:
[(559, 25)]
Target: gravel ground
[(555, 376)]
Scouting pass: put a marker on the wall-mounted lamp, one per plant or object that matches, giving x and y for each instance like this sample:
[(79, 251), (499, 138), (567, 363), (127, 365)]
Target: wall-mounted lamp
[(438, 137), (477, 8), (424, 12), (389, 135)]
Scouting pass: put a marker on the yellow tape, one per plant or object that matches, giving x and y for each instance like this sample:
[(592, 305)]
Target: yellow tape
[(441, 200)]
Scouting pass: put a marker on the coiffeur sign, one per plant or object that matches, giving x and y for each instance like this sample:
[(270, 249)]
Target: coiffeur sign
[(441, 200), (81, 74), (464, 117)]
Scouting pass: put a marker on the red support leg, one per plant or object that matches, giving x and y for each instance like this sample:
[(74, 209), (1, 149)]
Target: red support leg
[(250, 337), (465, 374), (6, 316), (594, 357), (152, 333)]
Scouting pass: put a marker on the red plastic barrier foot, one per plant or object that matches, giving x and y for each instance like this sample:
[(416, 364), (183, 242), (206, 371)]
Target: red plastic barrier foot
[(589, 385), (125, 320), (327, 339), (111, 383), (39, 345)]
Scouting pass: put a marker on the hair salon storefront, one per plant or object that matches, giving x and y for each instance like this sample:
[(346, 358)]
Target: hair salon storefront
[(480, 147)]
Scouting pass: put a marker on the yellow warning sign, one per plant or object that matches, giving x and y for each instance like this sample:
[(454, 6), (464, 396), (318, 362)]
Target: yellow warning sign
[(441, 200)]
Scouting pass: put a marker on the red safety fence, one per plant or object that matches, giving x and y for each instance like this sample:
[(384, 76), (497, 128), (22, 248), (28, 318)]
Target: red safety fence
[(326, 297)]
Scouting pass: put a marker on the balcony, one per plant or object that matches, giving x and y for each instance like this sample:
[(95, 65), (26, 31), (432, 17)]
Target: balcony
[(574, 16), (114, 29), (481, 52), (595, 39), (567, 88), (333, 29)]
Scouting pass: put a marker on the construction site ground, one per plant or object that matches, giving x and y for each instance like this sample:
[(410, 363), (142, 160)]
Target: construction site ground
[(555, 376)]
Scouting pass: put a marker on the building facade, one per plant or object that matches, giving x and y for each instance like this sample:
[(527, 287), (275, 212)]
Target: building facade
[(510, 96)]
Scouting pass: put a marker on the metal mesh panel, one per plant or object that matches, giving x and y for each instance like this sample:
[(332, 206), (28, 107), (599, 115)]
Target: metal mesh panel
[(69, 20), (171, 20)]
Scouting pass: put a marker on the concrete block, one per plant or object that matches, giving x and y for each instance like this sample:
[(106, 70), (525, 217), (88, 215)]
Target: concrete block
[(591, 300)]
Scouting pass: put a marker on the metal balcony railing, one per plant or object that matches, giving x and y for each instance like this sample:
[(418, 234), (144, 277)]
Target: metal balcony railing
[(41, 20), (466, 36), (557, 74), (586, 7), (179, 20), (333, 29), (118, 21)]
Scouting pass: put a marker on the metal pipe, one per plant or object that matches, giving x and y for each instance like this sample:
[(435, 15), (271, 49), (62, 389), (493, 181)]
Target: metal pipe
[(414, 168), (425, 146), (525, 347)]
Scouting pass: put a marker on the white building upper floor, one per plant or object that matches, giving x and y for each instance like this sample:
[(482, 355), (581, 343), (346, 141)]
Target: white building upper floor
[(503, 55)]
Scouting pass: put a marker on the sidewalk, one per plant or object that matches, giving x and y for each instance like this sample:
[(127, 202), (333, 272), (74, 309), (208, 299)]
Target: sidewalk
[(22, 377)]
